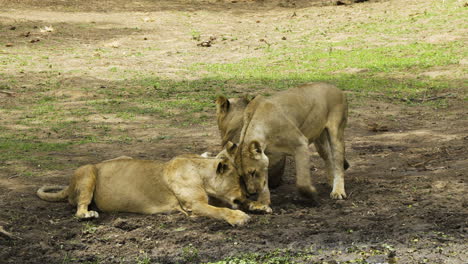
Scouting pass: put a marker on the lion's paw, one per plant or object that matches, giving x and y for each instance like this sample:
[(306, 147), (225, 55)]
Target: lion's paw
[(308, 191), (259, 207), (89, 215), (206, 154), (338, 195), (238, 218)]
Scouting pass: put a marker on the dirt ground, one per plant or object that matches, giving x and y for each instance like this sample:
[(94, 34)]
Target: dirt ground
[(407, 183)]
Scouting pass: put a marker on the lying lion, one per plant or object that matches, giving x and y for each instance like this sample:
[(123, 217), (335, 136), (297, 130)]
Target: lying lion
[(286, 123), (148, 187)]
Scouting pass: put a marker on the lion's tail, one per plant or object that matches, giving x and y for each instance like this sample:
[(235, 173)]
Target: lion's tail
[(46, 193), (346, 165)]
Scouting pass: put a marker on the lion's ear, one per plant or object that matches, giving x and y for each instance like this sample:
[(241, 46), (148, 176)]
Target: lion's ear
[(255, 148), (222, 104), (222, 167), (231, 147)]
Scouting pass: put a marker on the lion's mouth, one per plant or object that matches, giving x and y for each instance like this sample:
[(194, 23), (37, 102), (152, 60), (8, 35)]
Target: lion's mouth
[(252, 196), (237, 203)]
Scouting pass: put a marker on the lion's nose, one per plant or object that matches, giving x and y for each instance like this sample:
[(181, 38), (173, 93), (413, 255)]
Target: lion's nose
[(253, 196), (252, 192)]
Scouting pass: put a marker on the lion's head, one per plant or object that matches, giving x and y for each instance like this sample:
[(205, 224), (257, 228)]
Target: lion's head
[(229, 113), (226, 185), (252, 165)]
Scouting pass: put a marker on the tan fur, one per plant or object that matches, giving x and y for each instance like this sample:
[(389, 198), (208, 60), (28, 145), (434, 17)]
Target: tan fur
[(287, 123), (141, 186), (229, 114)]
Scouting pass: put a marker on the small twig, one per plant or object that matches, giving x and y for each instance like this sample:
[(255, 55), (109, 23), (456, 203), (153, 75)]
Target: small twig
[(423, 163), (417, 100), (6, 234), (7, 93), (390, 216), (266, 42), (433, 98)]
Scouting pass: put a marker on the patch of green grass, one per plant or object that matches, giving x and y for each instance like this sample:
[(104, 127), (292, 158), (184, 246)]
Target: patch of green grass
[(126, 115), (355, 254), (274, 257), (68, 259), (86, 139), (143, 259), (196, 35), (14, 146), (385, 68), (89, 228), (190, 254), (155, 96), (31, 151)]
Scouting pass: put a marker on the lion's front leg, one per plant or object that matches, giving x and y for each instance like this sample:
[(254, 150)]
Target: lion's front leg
[(262, 205), (233, 217), (263, 202), (303, 179), (276, 169)]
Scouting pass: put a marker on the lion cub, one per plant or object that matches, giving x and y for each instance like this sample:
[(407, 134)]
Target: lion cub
[(148, 187)]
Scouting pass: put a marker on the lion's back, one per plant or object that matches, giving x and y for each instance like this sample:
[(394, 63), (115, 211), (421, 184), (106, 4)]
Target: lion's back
[(130, 185)]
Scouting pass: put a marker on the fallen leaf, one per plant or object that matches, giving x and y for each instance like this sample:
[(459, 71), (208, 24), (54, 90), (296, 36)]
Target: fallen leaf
[(204, 44), (114, 44), (46, 29), (207, 43)]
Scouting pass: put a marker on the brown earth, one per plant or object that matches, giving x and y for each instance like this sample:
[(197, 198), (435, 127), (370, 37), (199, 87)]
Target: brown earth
[(406, 185)]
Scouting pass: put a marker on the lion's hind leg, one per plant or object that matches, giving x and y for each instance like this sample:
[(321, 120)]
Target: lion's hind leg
[(82, 190), (336, 140)]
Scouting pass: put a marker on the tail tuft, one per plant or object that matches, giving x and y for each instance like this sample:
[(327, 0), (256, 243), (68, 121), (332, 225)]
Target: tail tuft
[(346, 164), (53, 193)]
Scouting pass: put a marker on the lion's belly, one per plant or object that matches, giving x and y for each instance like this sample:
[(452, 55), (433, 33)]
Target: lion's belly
[(313, 127), (122, 188)]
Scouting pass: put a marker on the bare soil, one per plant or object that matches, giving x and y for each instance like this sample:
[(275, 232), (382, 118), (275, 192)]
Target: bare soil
[(407, 182)]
